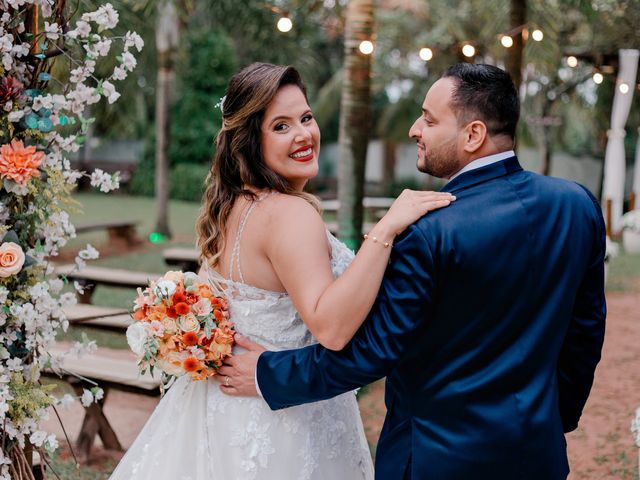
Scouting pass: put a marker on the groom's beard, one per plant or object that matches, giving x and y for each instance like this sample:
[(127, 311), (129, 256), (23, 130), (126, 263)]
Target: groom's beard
[(440, 162)]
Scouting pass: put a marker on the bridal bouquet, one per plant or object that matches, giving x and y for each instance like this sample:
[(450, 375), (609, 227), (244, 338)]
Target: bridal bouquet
[(181, 327)]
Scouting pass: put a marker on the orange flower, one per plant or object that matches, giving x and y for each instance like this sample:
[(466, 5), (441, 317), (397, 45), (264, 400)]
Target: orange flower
[(191, 364), (191, 298), (171, 312), (19, 163), (179, 297), (190, 338), (138, 315), (181, 308)]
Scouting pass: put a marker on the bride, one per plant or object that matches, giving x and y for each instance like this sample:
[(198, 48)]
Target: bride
[(289, 283)]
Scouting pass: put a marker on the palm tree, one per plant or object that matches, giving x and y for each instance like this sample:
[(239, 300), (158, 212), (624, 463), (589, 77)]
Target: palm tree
[(355, 120), (166, 43), (518, 15)]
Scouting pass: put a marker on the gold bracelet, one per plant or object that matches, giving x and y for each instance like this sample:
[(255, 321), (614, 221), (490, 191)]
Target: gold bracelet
[(366, 236)]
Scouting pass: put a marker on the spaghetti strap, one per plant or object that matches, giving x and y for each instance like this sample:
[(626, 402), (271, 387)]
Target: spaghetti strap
[(235, 253)]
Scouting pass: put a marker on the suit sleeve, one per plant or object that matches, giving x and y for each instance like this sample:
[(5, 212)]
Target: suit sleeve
[(397, 318), (583, 343)]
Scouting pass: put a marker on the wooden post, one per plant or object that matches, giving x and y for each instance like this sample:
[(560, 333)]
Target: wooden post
[(608, 216), (31, 26)]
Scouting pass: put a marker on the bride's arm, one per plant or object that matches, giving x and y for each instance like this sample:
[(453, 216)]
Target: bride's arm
[(334, 309)]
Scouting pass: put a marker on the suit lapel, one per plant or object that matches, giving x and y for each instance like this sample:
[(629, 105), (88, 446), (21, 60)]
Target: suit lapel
[(483, 174)]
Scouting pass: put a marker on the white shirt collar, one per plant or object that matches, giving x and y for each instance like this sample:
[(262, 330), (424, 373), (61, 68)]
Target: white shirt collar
[(483, 162)]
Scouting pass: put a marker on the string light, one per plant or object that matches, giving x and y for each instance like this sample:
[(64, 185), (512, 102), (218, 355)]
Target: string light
[(537, 35), (468, 50), (598, 78), (285, 24), (506, 41), (572, 61), (426, 54), (624, 88), (366, 47)]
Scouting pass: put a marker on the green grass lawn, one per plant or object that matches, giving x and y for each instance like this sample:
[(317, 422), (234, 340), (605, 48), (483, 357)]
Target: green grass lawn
[(98, 207)]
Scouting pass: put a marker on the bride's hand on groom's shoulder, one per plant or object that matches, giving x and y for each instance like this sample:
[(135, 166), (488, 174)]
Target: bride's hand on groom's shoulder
[(411, 205), (237, 377)]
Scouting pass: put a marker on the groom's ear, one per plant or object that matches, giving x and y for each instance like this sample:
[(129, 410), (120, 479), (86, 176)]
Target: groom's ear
[(475, 134)]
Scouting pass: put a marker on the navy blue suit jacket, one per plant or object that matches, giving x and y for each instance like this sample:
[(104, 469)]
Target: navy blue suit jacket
[(488, 326)]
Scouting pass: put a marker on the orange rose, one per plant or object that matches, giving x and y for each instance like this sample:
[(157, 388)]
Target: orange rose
[(19, 163), (11, 259)]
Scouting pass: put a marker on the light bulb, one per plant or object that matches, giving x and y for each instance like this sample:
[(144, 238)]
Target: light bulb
[(624, 88), (366, 47), (426, 54), (598, 78), (285, 24), (537, 35), (506, 41), (572, 61), (468, 50)]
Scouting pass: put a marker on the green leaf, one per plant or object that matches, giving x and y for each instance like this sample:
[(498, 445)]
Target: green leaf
[(11, 236), (28, 261)]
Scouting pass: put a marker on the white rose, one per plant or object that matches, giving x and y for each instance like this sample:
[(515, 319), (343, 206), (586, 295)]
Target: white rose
[(164, 288), (189, 323), (136, 338), (173, 276), (170, 368)]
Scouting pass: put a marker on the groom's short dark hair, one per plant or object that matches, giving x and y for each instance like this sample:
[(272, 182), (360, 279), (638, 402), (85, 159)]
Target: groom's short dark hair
[(485, 93)]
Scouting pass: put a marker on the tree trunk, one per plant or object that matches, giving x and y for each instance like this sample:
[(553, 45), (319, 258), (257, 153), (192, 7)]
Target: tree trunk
[(545, 130), (518, 17), (355, 121), (166, 44), (389, 165)]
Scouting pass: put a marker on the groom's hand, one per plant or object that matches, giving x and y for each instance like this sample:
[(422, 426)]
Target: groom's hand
[(237, 377)]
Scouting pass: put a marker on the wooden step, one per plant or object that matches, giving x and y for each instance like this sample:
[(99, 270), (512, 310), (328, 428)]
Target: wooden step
[(112, 368), (107, 276), (82, 312)]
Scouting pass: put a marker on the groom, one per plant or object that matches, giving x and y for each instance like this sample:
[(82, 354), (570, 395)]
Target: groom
[(490, 319)]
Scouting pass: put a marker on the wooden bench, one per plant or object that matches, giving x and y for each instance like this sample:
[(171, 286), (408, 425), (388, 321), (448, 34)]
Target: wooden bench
[(376, 206), (333, 227), (110, 369), (186, 259), (104, 318), (89, 277), (119, 232)]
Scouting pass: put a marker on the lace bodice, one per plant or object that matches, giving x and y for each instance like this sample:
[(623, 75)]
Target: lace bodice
[(270, 318)]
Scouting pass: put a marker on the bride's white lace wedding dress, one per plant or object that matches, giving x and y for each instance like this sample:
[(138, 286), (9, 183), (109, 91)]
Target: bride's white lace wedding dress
[(198, 433)]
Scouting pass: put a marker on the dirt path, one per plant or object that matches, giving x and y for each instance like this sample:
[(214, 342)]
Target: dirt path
[(602, 448)]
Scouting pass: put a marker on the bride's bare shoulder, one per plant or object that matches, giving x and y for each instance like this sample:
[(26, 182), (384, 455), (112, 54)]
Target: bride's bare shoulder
[(290, 211)]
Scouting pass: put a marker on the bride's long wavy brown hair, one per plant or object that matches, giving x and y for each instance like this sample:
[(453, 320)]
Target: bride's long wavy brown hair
[(238, 167)]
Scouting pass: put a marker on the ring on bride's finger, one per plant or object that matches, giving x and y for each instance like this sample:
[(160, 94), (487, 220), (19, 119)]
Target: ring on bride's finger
[(226, 381)]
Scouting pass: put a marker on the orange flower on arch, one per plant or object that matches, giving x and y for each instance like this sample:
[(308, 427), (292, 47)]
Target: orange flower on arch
[(19, 163)]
